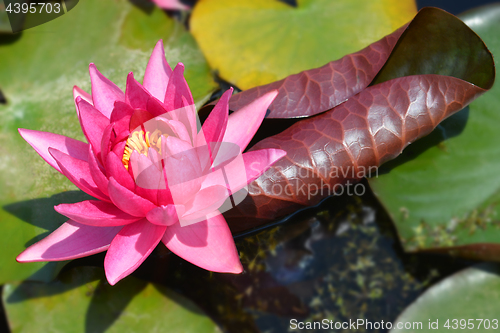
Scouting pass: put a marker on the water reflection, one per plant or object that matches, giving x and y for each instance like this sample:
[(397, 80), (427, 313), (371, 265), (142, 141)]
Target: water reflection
[(335, 264)]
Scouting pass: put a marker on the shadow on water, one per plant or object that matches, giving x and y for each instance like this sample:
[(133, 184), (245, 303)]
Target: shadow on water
[(108, 303), (41, 213)]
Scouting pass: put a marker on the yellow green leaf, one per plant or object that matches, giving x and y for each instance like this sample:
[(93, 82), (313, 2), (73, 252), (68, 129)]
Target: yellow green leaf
[(254, 42)]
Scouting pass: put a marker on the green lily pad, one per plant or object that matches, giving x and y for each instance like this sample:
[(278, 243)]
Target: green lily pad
[(39, 69), (468, 301), (255, 42), (81, 301), (443, 191)]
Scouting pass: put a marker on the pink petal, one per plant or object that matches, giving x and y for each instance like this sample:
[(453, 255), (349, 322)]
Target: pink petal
[(158, 197), (204, 152), (127, 200), (168, 127), (135, 94), (120, 110), (121, 115), (182, 180), (93, 124), (116, 169), (165, 215), (147, 174), (204, 202), (108, 137), (148, 194), (119, 149), (176, 89), (182, 170), (227, 151), (165, 195), (180, 130), (171, 4), (155, 107), (242, 124), (42, 141), (208, 244), (227, 168), (96, 213), (70, 241), (258, 161), (131, 246), (186, 115), (77, 92), (97, 174), (138, 119), (215, 125), (157, 73), (78, 172), (189, 117), (104, 92), (238, 175), (181, 150)]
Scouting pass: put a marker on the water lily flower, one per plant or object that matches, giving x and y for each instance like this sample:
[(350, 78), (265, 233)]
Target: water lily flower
[(171, 4), (156, 174)]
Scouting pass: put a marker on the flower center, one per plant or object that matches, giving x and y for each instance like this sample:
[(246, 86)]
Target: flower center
[(141, 143)]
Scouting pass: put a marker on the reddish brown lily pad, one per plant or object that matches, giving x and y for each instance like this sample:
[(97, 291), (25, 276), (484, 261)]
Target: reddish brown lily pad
[(333, 150)]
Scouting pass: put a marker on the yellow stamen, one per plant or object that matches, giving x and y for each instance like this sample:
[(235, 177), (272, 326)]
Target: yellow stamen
[(141, 143)]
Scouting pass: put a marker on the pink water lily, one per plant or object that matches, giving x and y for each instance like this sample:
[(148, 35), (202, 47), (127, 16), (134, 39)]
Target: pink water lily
[(171, 4), (157, 176)]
